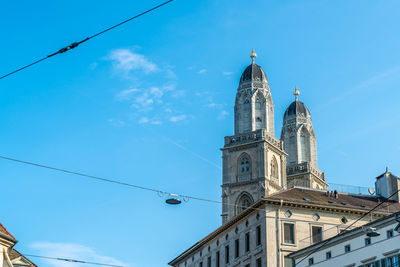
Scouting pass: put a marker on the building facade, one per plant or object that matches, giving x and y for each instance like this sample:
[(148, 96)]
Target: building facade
[(275, 226), (274, 197), (376, 244), (9, 257)]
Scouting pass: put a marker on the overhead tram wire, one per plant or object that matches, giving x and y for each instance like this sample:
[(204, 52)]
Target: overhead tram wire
[(158, 191), (72, 260), (183, 196), (365, 214), (75, 44)]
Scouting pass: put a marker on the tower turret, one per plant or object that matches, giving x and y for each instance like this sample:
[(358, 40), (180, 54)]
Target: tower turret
[(300, 144), (254, 108), (254, 163)]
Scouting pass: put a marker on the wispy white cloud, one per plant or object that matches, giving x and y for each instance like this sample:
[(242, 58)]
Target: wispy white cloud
[(177, 118), (202, 71), (72, 251), (227, 73), (145, 120), (222, 115), (365, 84), (126, 60), (117, 122), (125, 94)]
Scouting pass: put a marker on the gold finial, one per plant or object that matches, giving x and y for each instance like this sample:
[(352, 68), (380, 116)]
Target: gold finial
[(296, 93), (253, 55)]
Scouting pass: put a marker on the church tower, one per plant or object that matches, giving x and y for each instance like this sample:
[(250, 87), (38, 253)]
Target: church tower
[(254, 161), (300, 144)]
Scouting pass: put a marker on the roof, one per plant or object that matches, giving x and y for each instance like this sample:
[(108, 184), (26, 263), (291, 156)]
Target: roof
[(4, 231), (253, 72), (346, 233), (16, 254), (303, 198), (343, 201), (295, 108)]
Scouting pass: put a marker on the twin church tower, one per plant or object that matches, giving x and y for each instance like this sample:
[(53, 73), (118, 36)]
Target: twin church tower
[(255, 162)]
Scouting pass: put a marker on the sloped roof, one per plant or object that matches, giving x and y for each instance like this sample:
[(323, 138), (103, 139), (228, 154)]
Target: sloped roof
[(14, 254), (343, 200), (4, 231)]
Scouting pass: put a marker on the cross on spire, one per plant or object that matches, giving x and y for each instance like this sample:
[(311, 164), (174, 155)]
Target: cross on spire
[(253, 55), (296, 93)]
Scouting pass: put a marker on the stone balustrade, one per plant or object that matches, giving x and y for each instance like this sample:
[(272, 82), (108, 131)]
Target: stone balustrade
[(253, 136)]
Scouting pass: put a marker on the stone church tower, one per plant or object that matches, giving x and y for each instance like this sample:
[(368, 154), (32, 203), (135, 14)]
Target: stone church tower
[(254, 161), (300, 144)]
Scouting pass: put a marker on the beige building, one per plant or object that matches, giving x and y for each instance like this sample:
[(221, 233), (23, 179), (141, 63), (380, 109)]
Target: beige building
[(274, 197), (281, 223), (9, 257)]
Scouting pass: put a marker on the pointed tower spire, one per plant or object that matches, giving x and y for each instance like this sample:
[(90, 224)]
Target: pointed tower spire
[(296, 93), (253, 55)]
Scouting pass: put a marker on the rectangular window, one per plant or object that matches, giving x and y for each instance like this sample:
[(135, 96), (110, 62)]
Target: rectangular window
[(310, 261), (393, 261), (201, 264), (367, 241), (247, 265), (328, 255), (389, 233), (217, 260), (258, 262), (227, 254), (258, 235), (247, 242), (347, 248), (209, 261), (236, 248), (316, 234), (288, 262), (288, 233)]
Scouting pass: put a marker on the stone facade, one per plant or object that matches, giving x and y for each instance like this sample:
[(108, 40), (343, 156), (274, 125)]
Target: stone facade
[(300, 143), (265, 214), (254, 161), (275, 226)]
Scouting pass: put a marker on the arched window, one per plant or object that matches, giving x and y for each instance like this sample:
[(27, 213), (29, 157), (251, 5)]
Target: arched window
[(244, 168), (259, 112), (244, 201), (304, 146), (274, 168)]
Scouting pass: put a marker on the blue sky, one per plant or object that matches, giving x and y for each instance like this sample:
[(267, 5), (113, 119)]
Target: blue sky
[(150, 102)]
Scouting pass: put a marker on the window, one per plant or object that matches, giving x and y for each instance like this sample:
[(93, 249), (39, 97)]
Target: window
[(288, 262), (328, 255), (274, 168), (310, 261), (393, 261), (288, 233), (244, 202), (258, 235), (316, 234), (244, 168), (288, 213), (347, 248), (227, 254), (247, 242), (367, 241), (217, 260), (258, 262), (247, 265), (209, 262), (236, 248), (201, 264), (389, 233)]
